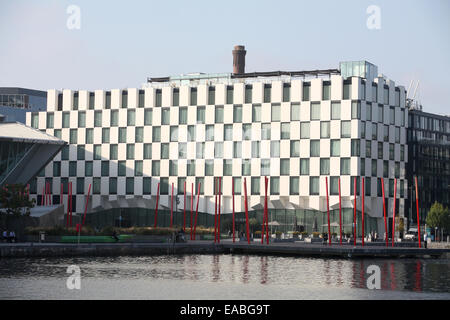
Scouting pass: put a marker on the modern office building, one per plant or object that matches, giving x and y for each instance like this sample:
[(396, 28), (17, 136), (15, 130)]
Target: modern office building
[(16, 102), (24, 151), (429, 160), (297, 128)]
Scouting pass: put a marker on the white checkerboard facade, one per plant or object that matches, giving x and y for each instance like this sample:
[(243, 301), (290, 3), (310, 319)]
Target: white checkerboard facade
[(224, 142)]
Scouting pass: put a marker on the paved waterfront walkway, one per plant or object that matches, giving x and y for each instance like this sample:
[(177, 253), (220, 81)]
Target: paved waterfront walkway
[(29, 249)]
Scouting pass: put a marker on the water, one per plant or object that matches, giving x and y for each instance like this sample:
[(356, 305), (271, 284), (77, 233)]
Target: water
[(223, 277)]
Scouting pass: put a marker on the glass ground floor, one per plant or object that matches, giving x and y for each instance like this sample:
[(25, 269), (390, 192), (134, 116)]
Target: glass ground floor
[(284, 220)]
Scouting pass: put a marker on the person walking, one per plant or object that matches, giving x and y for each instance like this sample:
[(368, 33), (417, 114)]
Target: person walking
[(425, 239)]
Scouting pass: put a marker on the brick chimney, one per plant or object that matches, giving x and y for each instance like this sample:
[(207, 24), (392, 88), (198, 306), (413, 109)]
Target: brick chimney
[(239, 59)]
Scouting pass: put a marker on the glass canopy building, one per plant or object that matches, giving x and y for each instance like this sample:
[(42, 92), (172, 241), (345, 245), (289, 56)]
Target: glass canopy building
[(297, 128)]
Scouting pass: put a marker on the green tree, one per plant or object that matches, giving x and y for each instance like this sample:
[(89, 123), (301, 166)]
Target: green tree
[(14, 200), (438, 216)]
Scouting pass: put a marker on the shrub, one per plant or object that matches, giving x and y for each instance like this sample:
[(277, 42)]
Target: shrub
[(316, 234)]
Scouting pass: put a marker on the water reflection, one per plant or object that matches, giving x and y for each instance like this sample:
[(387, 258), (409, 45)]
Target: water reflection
[(25, 276)]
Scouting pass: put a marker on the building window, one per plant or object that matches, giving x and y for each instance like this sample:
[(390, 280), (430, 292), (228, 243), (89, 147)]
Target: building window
[(347, 89), (200, 150), (80, 185), (391, 151), (165, 116), (304, 167), (255, 185), (130, 151), (295, 148), (256, 149), (211, 95), (392, 115), (89, 136), (274, 185), (73, 136), (96, 185), (98, 118), (265, 167), (113, 152), (374, 131), (164, 151), (148, 117), (246, 167), (141, 98), (355, 147), (397, 134), (386, 133), (191, 133), (108, 100), (237, 149), (335, 110), (130, 185), (368, 149), (246, 131), (97, 152), (325, 129), (335, 148), (190, 168), (200, 115), (334, 186), (65, 120), (147, 150), (88, 168), (314, 185), (276, 112), (105, 168), (81, 119), (138, 168), (227, 167), (176, 97), (56, 168), (237, 182), (182, 115), (374, 167), (218, 114), (201, 182), (380, 113), (324, 166), (315, 148), (304, 130), (285, 131), (315, 110), (326, 90), (237, 114), (294, 188), (156, 134), (228, 132), (80, 152), (285, 167), (158, 98), (209, 167), (230, 94), (265, 131), (267, 92), (352, 186), (218, 150), (122, 135), (256, 113), (274, 149), (295, 111), (345, 166), (306, 90), (155, 167), (248, 94), (131, 117), (147, 185), (369, 111), (139, 134), (193, 96), (114, 118), (356, 110), (345, 129), (380, 150), (286, 92), (386, 95), (50, 120), (91, 100), (75, 101)]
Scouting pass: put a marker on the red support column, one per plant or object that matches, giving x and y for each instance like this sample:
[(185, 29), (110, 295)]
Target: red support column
[(196, 210), (363, 211), (171, 208), (71, 206), (68, 205), (43, 195), (215, 209), (246, 210), (87, 201), (46, 191), (384, 213), (232, 191), (417, 207), (328, 212), (267, 213), (264, 215), (156, 208), (184, 212), (393, 213), (218, 225), (192, 207), (354, 213), (340, 216)]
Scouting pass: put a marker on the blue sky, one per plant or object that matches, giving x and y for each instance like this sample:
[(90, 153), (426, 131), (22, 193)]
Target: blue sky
[(120, 43)]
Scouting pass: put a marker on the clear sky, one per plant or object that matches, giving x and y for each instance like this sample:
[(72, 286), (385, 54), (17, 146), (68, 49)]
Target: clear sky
[(120, 43)]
